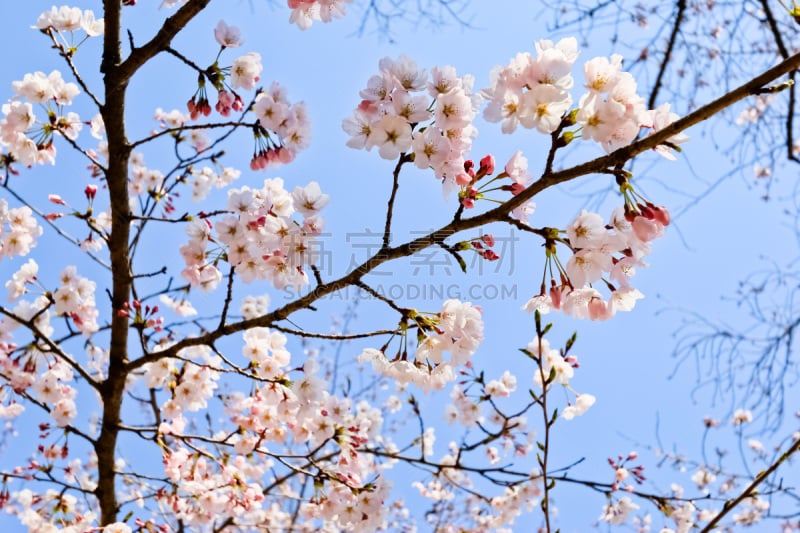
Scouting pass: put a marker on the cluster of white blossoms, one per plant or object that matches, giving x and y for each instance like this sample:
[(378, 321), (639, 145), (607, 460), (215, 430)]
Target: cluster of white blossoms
[(70, 19), (557, 369), (260, 238), (283, 412), (533, 92), (18, 284), (598, 249), (51, 387), (464, 410), (75, 299), (617, 512), (142, 179), (515, 500), (289, 121), (254, 306), (194, 385), (450, 483), (19, 126), (18, 230), (266, 351), (206, 178), (457, 329), (35, 508), (306, 12), (391, 114), (755, 509), (611, 113), (36, 310), (703, 477), (197, 137)]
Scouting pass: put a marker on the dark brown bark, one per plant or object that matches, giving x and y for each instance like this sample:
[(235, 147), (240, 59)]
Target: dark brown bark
[(117, 74), (113, 112)]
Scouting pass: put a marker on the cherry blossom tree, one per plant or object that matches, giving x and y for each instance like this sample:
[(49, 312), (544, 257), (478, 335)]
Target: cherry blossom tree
[(237, 420)]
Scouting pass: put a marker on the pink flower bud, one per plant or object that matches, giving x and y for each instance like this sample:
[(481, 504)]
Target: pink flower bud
[(238, 103), (661, 215), (223, 109), (488, 239), (259, 161), (56, 199), (285, 155), (204, 107), (487, 164), (463, 179), (368, 107), (90, 191)]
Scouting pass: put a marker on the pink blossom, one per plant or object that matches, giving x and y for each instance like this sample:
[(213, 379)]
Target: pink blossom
[(228, 36)]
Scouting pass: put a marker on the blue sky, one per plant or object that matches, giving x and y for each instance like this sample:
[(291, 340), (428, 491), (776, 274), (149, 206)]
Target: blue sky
[(624, 362)]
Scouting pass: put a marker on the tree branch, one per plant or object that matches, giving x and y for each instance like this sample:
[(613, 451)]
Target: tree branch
[(162, 40)]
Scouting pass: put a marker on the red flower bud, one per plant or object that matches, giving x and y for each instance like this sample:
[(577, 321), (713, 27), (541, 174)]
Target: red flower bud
[(661, 215), (487, 164)]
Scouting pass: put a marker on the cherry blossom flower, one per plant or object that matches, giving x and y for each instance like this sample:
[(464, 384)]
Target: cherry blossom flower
[(228, 36), (246, 71), (70, 19), (617, 513), (741, 417), (661, 118)]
